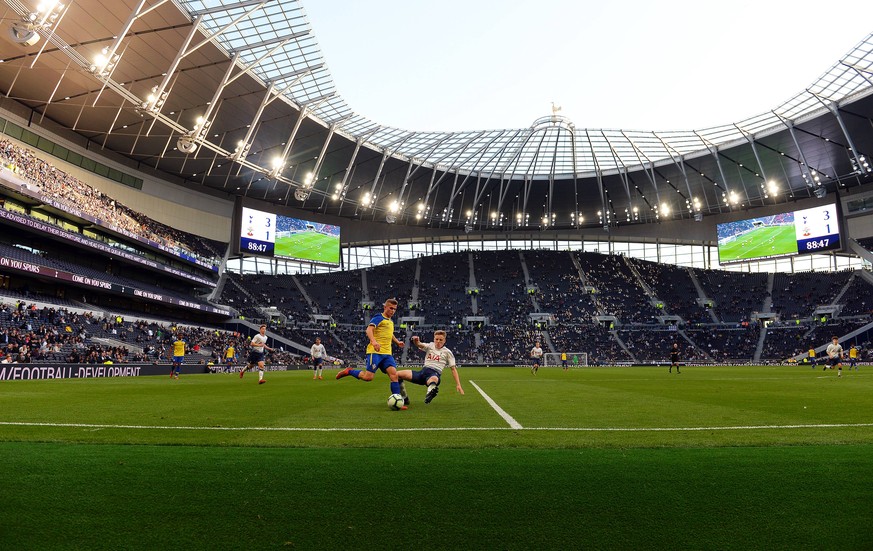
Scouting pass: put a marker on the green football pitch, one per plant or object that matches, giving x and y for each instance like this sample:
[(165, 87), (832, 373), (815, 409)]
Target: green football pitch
[(309, 245), (764, 241), (593, 458)]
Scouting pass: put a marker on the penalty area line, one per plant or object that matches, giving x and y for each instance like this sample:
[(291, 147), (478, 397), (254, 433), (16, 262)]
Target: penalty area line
[(506, 417)]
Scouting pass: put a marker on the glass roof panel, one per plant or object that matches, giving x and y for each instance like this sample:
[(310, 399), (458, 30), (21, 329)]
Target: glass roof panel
[(557, 149)]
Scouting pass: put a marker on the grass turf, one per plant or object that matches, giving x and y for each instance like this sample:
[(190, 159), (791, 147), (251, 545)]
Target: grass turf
[(727, 458), (309, 246), (764, 241)]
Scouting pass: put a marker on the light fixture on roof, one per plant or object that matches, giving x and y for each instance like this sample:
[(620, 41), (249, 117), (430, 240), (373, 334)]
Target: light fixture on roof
[(820, 192), (26, 31), (241, 151), (277, 165), (863, 167), (104, 63), (186, 145)]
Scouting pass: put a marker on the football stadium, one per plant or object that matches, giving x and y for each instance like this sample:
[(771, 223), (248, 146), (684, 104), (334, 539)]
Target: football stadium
[(228, 301)]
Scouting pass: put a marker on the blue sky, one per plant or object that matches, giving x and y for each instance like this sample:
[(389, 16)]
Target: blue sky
[(667, 65)]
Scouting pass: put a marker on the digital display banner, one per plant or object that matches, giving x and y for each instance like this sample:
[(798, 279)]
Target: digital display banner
[(806, 231), (22, 187), (98, 245), (85, 281)]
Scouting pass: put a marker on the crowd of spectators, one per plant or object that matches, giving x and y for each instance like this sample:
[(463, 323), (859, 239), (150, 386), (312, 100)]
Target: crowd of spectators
[(797, 295), (560, 290), (338, 294), (76, 195), (440, 282), (503, 296), (442, 289), (737, 295), (653, 345), (618, 291), (508, 344), (857, 300), (29, 334), (724, 344), (674, 287)]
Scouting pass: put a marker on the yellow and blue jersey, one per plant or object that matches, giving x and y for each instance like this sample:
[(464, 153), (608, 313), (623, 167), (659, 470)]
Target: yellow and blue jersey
[(383, 333), (179, 348), (229, 353)]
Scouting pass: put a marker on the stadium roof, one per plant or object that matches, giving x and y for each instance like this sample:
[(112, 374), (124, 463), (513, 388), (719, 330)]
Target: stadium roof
[(236, 96)]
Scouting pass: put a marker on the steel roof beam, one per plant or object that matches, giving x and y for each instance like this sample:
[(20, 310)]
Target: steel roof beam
[(269, 42), (228, 7)]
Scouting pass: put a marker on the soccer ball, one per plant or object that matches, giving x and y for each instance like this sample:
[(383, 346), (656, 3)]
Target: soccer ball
[(395, 401)]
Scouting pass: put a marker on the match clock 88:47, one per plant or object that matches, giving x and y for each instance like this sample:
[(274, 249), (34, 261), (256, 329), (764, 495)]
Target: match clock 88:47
[(257, 232), (817, 229)]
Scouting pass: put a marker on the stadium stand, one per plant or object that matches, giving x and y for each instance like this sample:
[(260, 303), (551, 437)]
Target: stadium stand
[(797, 295), (736, 294)]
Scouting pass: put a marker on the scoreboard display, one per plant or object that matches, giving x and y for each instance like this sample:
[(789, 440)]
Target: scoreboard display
[(805, 231), (816, 229), (272, 235), (257, 232)]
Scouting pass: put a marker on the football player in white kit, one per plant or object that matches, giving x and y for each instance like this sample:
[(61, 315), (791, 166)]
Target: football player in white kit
[(318, 354), (536, 354), (835, 355), (437, 358)]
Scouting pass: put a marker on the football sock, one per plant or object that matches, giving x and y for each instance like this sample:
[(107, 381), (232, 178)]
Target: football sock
[(260, 374), (430, 387), (395, 387), (354, 373)]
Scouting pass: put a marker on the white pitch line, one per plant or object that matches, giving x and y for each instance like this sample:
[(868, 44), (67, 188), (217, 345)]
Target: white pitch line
[(441, 429), (506, 417)]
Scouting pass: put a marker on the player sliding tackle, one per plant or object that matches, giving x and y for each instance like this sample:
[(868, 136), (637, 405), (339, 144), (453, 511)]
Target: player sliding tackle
[(437, 358), (380, 333)]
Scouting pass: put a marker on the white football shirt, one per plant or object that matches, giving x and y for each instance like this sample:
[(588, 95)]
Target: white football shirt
[(258, 342), (318, 351), (438, 358)]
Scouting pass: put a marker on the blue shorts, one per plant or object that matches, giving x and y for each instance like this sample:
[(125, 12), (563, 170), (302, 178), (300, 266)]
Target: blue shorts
[(178, 359), (256, 357), (421, 377), (380, 361)]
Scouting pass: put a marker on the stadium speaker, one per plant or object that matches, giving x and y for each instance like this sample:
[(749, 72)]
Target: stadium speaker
[(820, 192), (186, 145), (468, 228), (698, 217), (20, 33), (301, 195), (390, 218)]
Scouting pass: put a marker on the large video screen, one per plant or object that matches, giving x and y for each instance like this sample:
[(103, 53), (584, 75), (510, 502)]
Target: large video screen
[(274, 235), (798, 232)]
